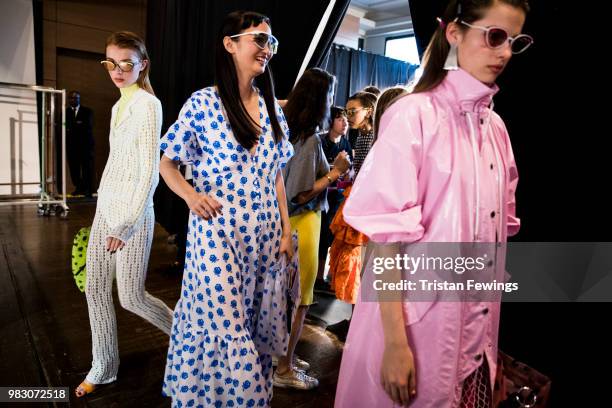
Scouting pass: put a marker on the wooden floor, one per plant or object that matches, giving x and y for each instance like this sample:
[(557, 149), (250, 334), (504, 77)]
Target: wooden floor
[(44, 327)]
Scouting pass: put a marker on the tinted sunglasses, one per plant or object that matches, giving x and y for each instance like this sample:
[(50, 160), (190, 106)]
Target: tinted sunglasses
[(124, 66), (496, 37), (261, 39)]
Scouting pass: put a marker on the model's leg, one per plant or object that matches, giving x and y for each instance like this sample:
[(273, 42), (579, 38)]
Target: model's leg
[(99, 292), (132, 264)]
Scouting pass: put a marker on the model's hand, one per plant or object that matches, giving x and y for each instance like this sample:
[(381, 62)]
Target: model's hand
[(342, 162), (398, 375), (113, 244), (203, 205), (286, 246)]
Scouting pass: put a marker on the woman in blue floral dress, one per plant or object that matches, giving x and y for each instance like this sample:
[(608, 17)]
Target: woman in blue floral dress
[(235, 137)]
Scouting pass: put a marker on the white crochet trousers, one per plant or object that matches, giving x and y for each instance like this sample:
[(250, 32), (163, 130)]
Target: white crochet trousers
[(130, 264)]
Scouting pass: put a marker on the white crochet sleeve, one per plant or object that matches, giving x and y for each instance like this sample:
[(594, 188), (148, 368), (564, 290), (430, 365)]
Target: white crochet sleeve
[(147, 151)]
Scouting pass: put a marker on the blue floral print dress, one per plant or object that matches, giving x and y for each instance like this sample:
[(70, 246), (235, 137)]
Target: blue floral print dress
[(217, 357)]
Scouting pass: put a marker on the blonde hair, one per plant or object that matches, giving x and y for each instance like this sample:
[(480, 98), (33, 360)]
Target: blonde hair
[(130, 40)]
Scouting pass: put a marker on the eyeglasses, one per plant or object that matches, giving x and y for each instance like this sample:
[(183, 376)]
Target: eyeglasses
[(496, 37), (124, 66), (261, 39), (353, 111)]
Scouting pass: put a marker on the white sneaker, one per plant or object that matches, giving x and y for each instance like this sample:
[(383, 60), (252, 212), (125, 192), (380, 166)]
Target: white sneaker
[(295, 379), (298, 363)]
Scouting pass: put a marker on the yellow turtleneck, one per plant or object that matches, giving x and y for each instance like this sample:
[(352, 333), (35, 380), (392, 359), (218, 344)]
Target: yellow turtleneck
[(126, 95)]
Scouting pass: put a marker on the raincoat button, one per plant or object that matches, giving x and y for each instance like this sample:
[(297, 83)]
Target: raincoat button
[(492, 214), (491, 166), (485, 311)]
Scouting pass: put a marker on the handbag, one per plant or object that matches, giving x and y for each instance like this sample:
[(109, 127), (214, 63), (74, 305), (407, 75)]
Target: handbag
[(293, 286), (279, 302), (79, 257), (519, 385)]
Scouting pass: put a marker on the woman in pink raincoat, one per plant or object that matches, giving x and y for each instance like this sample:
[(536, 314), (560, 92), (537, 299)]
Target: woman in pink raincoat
[(444, 172)]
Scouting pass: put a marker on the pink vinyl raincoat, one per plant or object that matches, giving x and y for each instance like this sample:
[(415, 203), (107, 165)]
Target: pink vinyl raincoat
[(444, 172)]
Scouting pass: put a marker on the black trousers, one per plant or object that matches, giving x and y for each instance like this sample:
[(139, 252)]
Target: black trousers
[(80, 155)]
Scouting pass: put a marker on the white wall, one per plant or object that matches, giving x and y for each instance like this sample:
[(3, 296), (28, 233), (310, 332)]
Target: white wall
[(348, 33), (396, 27), (18, 119), (375, 45), (375, 32), (17, 42)]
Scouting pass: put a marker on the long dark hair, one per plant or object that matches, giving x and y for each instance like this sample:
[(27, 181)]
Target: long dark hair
[(245, 129), (308, 105), (131, 41), (438, 48)]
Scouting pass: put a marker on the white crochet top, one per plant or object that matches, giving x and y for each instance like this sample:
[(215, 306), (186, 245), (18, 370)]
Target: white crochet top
[(132, 170)]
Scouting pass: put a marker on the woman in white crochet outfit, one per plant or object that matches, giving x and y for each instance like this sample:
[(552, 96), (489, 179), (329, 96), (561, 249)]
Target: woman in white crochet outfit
[(122, 231)]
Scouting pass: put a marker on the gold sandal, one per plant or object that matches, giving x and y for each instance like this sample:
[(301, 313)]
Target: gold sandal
[(84, 388)]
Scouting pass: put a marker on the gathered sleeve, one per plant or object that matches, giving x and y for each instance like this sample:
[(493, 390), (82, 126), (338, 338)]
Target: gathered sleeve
[(180, 143), (383, 203)]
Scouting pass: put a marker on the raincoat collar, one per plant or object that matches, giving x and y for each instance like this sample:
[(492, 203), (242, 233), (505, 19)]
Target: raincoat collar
[(472, 95)]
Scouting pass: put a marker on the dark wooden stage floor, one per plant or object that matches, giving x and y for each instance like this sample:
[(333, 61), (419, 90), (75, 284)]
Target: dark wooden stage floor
[(44, 328)]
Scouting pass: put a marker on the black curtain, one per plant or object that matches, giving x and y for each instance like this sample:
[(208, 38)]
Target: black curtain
[(559, 139), (329, 33), (338, 63), (354, 70), (37, 11)]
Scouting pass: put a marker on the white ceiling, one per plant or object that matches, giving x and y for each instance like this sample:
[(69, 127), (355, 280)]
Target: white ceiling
[(379, 10)]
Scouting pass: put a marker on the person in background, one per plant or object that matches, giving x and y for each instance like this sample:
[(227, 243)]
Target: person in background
[(79, 145), (387, 97), (353, 132), (360, 109), (307, 177), (345, 250), (333, 141), (372, 89), (346, 281)]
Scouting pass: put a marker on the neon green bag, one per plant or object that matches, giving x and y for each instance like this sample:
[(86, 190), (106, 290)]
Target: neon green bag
[(79, 257)]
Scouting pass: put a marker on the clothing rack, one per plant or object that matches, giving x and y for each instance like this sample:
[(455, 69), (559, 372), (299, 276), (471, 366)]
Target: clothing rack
[(49, 201)]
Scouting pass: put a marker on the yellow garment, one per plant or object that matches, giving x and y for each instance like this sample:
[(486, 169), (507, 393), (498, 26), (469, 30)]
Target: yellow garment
[(308, 227), (126, 95)]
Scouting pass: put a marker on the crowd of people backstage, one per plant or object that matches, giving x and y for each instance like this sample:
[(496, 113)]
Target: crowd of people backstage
[(261, 172)]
